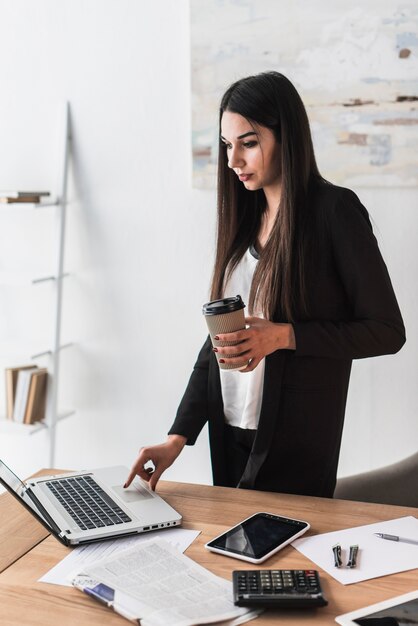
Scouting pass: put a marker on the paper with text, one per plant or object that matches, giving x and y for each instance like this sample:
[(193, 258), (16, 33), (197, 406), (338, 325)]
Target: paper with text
[(179, 538), (157, 584)]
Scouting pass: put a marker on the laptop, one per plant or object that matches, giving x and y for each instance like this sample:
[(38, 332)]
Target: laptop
[(87, 506)]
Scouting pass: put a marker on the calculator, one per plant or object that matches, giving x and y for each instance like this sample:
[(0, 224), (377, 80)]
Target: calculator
[(277, 588)]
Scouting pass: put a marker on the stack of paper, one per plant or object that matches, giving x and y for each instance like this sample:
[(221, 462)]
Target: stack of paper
[(157, 585)]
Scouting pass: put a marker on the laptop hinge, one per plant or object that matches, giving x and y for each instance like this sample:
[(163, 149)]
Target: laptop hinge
[(63, 533)]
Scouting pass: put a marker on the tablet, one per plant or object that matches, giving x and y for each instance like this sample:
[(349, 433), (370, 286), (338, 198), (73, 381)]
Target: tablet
[(394, 612), (256, 538)]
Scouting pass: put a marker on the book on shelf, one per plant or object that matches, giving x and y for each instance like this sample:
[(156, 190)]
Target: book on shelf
[(30, 395), (11, 384), (22, 391), (23, 194), (36, 402), (32, 197)]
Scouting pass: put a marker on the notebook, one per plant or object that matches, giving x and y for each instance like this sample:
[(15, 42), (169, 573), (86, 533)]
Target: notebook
[(87, 506)]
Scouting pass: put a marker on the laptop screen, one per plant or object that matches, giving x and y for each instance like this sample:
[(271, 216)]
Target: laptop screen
[(9, 479), (18, 488)]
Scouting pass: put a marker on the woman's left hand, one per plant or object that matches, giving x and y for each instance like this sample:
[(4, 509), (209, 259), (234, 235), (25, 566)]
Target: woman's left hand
[(257, 341)]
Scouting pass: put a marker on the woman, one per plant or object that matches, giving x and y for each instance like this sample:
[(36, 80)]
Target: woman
[(301, 253)]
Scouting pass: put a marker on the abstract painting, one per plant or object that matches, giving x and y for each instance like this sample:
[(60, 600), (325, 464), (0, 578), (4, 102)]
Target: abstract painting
[(354, 65)]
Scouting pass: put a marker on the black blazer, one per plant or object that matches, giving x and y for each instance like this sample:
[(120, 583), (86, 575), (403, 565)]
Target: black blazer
[(353, 314)]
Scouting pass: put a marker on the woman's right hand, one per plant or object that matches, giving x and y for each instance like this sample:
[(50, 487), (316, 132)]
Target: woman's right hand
[(161, 456)]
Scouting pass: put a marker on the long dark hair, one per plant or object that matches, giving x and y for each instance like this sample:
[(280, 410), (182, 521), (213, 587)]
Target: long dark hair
[(278, 288)]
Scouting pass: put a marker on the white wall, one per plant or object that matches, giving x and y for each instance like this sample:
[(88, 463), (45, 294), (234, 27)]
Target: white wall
[(140, 240)]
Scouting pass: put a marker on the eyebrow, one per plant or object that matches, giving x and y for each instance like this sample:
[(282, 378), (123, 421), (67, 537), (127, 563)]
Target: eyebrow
[(251, 132)]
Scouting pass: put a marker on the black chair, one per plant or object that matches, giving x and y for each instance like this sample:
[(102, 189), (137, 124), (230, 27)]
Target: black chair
[(392, 484)]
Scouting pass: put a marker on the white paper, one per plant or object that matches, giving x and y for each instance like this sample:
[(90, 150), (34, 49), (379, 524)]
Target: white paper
[(376, 557), (179, 538), (158, 585)]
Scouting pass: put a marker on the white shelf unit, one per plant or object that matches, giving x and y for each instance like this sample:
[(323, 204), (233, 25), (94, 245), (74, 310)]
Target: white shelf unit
[(52, 354)]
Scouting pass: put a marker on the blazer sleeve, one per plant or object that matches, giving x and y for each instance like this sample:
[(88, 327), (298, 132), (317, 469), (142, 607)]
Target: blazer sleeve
[(192, 413), (375, 325)]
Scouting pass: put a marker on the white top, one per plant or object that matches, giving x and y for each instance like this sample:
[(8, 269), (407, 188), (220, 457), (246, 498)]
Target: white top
[(242, 393)]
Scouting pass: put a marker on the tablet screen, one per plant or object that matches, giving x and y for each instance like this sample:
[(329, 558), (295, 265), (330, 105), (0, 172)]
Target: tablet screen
[(405, 614), (258, 535)]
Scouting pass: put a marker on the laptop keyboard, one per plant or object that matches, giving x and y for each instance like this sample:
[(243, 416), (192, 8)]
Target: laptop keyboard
[(87, 503)]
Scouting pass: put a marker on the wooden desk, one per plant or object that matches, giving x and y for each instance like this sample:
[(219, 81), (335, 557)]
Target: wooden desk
[(27, 552)]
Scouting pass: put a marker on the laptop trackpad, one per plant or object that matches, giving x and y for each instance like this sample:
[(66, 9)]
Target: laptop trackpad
[(134, 493)]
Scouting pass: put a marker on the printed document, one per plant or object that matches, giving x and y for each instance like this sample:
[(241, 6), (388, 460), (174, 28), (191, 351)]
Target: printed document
[(179, 538), (157, 585)]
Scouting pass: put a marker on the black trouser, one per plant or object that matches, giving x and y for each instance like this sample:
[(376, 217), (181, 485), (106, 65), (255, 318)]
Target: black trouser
[(273, 475), (238, 444)]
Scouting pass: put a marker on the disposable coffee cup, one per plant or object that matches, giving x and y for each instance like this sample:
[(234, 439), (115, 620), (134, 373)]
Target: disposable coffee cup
[(225, 316)]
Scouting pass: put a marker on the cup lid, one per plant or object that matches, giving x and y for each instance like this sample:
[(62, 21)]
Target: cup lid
[(224, 305)]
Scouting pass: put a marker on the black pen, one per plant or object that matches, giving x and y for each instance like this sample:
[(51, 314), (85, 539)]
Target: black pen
[(396, 538)]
